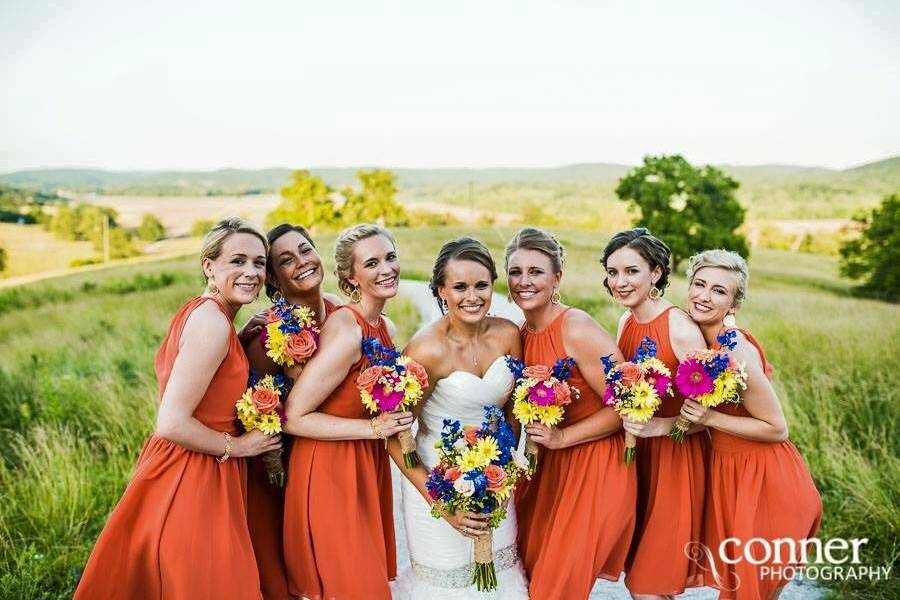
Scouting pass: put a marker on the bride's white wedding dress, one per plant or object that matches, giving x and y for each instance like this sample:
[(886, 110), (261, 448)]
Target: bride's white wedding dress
[(441, 557)]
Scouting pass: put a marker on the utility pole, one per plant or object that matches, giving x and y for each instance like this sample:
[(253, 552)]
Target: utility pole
[(105, 238)]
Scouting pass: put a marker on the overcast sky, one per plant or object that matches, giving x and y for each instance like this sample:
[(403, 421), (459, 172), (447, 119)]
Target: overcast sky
[(204, 85)]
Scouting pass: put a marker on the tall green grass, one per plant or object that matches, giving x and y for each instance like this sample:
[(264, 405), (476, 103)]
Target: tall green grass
[(78, 394)]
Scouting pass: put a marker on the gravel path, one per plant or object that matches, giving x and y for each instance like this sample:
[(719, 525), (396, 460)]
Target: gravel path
[(420, 295)]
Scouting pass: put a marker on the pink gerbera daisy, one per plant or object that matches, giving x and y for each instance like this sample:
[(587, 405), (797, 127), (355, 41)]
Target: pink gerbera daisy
[(692, 379)]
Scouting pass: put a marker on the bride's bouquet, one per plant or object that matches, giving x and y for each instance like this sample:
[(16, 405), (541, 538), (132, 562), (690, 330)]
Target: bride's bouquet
[(392, 382), (291, 335), (541, 395), (260, 407), (709, 377), (635, 388), (477, 472)]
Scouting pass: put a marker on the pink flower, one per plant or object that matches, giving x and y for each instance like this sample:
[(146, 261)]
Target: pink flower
[(542, 394), (265, 400), (659, 381), (609, 395), (452, 473), (631, 373), (562, 392), (386, 396), (368, 378), (418, 371), (471, 435), (692, 379), (496, 477), (538, 372), (300, 346)]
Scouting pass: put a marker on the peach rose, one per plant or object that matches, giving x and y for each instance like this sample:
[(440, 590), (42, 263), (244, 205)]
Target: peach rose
[(418, 371), (272, 316), (368, 378), (496, 477), (300, 346), (453, 473), (562, 393), (471, 435), (630, 373), (539, 372), (264, 400)]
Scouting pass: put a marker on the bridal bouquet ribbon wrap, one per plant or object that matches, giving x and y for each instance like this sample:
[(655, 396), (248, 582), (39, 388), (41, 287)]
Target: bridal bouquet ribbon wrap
[(635, 388), (710, 378), (260, 407), (477, 472), (541, 395), (392, 383)]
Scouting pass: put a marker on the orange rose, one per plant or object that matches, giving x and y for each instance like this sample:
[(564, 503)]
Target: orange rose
[(368, 378), (630, 373), (418, 371), (453, 473), (272, 316), (300, 346), (264, 400), (471, 435), (562, 393), (539, 372), (496, 477)]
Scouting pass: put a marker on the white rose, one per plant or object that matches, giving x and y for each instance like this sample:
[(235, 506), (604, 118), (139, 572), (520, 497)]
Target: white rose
[(460, 444), (464, 486)]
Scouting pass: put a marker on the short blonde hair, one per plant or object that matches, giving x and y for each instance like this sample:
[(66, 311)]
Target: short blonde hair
[(224, 229), (723, 259), (343, 251)]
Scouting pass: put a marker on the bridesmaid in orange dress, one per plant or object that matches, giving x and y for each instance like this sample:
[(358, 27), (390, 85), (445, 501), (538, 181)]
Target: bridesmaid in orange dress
[(758, 485), (576, 515), (671, 475), (180, 528), (338, 511), (294, 272)]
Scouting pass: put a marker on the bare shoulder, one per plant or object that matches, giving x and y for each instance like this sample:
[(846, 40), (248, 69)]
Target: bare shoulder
[(681, 325), (342, 323), (579, 324), (503, 327), (333, 298), (745, 352), (208, 325), (427, 346), (622, 321)]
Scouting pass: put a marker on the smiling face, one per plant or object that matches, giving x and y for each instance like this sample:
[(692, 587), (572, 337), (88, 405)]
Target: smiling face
[(239, 270), (711, 295), (376, 267), (531, 278), (630, 277), (467, 289), (296, 264)]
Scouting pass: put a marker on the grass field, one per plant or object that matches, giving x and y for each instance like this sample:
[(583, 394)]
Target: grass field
[(77, 393)]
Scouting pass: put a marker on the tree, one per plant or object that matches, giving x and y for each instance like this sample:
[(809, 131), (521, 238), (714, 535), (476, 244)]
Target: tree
[(150, 229), (375, 202), (306, 201), (201, 227), (3, 259), (690, 209), (874, 256)]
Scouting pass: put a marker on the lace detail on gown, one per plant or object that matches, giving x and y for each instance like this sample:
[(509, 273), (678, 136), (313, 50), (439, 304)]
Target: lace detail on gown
[(442, 558)]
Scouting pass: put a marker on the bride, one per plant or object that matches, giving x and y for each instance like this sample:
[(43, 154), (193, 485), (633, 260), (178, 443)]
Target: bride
[(464, 355)]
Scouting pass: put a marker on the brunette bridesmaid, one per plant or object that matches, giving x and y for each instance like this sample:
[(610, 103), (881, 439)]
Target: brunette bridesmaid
[(671, 475), (758, 485), (576, 515), (294, 272), (338, 519), (180, 528)]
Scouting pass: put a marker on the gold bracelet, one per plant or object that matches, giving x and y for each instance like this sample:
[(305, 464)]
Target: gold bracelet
[(227, 454), (378, 434)]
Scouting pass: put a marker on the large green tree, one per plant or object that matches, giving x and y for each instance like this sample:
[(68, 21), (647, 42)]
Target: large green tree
[(689, 208), (874, 257), (306, 201), (375, 202), (150, 229)]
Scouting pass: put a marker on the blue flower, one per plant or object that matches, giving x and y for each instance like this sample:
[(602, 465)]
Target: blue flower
[(516, 366), (562, 369), (608, 364), (647, 349), (728, 339)]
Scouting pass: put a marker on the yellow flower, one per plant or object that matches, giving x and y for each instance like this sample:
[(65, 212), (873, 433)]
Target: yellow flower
[(488, 449), (471, 459), (276, 344), (643, 395), (549, 415), (269, 424), (368, 401), (523, 411)]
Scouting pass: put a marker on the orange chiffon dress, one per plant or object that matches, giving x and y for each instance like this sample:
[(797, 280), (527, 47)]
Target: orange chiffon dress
[(671, 485), (755, 490), (265, 508), (180, 528), (338, 504), (576, 515)]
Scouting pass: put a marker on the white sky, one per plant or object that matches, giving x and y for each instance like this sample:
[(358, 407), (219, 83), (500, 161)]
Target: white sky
[(204, 85)]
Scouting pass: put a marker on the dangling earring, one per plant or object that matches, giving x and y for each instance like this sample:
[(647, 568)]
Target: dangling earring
[(211, 287), (356, 295), (277, 296), (444, 306), (729, 321), (555, 297), (655, 293)]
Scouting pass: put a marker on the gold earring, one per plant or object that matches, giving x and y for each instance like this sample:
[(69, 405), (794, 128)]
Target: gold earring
[(444, 306), (729, 321), (655, 293), (355, 295), (277, 296), (211, 287), (555, 297)]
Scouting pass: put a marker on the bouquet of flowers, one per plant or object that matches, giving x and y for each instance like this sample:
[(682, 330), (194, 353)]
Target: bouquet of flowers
[(260, 407), (392, 382), (635, 388), (709, 377), (291, 335), (541, 394), (476, 473)]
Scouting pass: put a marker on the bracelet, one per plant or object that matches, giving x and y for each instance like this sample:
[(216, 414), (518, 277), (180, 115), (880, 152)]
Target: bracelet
[(378, 434), (227, 454)]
